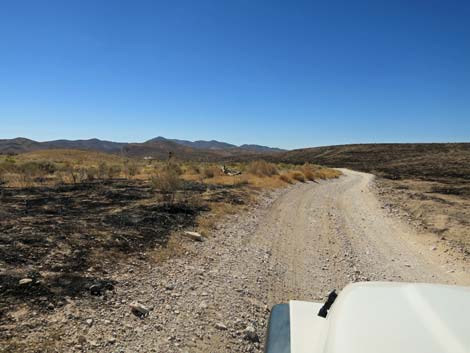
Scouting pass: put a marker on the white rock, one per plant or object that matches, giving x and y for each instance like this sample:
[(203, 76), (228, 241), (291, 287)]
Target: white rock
[(25, 281), (139, 309), (193, 235), (250, 334), (220, 326)]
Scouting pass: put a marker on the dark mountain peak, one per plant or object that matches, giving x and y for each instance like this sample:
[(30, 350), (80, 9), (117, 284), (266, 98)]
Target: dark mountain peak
[(155, 139)]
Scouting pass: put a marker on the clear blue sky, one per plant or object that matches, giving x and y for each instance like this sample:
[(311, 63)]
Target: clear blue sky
[(280, 73)]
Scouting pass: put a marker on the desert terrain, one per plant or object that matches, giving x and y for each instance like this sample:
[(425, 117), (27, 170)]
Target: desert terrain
[(97, 258)]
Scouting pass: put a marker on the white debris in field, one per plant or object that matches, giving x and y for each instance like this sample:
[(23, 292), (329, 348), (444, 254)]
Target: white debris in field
[(220, 326), (139, 309), (193, 235), (25, 281)]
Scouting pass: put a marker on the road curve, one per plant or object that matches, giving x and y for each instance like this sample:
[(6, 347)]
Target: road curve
[(325, 235)]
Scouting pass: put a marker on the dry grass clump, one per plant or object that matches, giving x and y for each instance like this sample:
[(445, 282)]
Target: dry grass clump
[(299, 176), (327, 173), (114, 171), (309, 171), (211, 171), (192, 169), (262, 168), (285, 178)]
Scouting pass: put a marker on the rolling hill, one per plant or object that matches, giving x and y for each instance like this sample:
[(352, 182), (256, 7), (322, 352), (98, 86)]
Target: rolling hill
[(427, 161), (218, 145), (157, 148)]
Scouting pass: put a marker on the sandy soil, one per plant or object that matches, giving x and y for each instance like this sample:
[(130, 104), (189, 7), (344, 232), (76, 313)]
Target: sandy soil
[(298, 243)]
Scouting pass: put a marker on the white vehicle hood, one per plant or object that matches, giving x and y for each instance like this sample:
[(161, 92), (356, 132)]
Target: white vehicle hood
[(376, 317)]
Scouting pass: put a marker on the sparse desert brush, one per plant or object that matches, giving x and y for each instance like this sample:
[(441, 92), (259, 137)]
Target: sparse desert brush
[(172, 167), (102, 170), (91, 173), (299, 176), (212, 171), (193, 169), (131, 169), (262, 168), (114, 171), (167, 181), (309, 175), (309, 171), (285, 178), (327, 173), (37, 167), (34, 171), (7, 166)]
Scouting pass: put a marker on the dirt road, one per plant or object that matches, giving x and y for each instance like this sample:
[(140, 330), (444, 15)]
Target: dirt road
[(326, 235)]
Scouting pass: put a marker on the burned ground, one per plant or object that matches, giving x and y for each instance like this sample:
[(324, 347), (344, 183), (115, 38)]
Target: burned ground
[(69, 237)]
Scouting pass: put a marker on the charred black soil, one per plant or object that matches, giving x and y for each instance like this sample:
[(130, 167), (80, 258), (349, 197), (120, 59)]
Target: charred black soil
[(69, 238)]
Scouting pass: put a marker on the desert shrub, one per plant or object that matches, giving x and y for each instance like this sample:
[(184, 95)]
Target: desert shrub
[(102, 170), (10, 159), (285, 178), (114, 171), (212, 171), (91, 173), (2, 177), (167, 181), (262, 168), (69, 170), (7, 166), (82, 173), (37, 168), (130, 169), (29, 171), (309, 175), (298, 176), (309, 171), (327, 173), (173, 167), (193, 169)]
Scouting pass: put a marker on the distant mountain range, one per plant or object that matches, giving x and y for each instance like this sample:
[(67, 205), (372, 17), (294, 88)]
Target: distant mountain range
[(217, 145), (158, 147)]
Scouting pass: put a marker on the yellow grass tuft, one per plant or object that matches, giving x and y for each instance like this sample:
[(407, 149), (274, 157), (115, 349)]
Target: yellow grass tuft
[(262, 168)]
